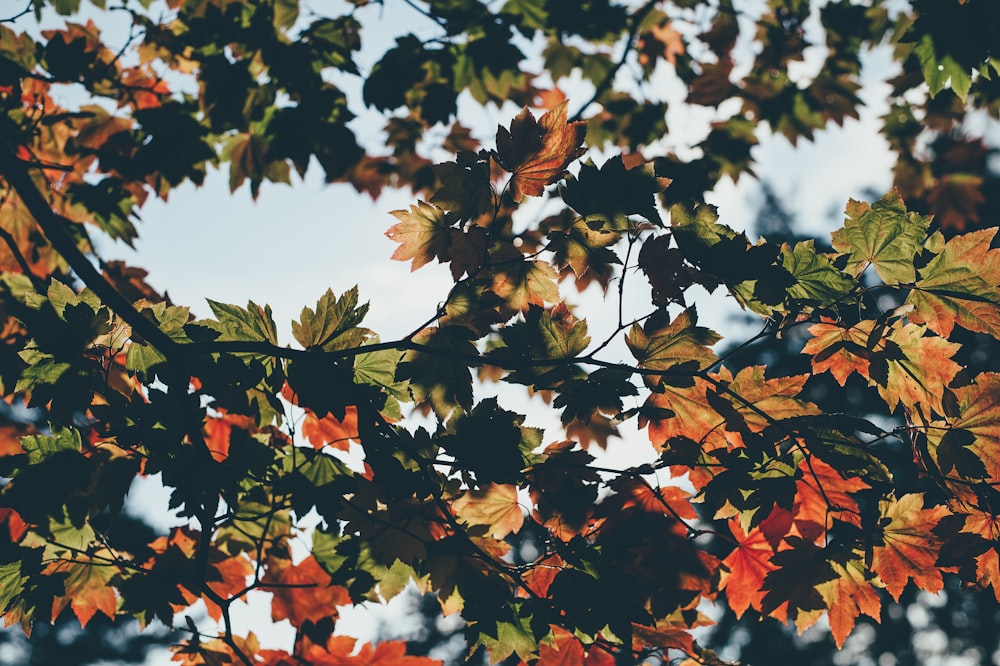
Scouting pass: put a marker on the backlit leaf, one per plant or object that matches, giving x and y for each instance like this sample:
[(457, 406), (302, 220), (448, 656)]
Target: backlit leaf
[(494, 506), (422, 234), (332, 317), (849, 594), (537, 152), (961, 285), (883, 235), (906, 547)]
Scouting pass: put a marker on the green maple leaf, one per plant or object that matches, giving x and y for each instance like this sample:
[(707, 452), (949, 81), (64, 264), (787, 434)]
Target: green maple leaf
[(585, 250), (12, 585), (817, 281), (41, 447), (939, 69), (544, 334), (512, 637), (233, 323), (752, 272), (883, 235), (326, 326)]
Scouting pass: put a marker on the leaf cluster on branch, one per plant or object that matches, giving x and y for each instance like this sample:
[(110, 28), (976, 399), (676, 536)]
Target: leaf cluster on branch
[(752, 497)]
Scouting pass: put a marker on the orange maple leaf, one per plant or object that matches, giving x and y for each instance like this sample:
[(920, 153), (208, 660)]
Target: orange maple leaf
[(14, 524), (849, 594), (961, 285), (495, 506), (340, 651), (909, 548), (762, 401), (744, 569), (303, 592), (331, 431), (537, 152), (213, 652), (840, 350), (672, 500), (523, 283), (821, 493), (926, 369), (986, 525), (88, 588), (565, 649)]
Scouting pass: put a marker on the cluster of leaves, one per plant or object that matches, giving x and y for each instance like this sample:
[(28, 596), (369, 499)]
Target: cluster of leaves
[(752, 496)]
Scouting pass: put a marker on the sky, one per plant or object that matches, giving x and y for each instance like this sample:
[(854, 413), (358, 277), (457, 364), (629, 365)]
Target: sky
[(293, 243)]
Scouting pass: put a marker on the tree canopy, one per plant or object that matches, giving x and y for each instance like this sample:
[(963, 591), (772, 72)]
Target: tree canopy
[(753, 497)]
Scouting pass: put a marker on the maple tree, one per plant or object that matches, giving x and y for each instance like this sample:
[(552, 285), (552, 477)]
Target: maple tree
[(753, 496)]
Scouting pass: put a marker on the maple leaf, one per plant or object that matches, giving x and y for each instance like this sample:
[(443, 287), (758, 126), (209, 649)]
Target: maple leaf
[(908, 548), (444, 382), (668, 274), (607, 195), (817, 281), (494, 506), (841, 350), (522, 282), (790, 591), (658, 346), (987, 526), (343, 651), (679, 412), (693, 412), (333, 324), (217, 433), (586, 251), (302, 592), (955, 200), (883, 235), (752, 272), (12, 525), (465, 185), (88, 588), (849, 594), (195, 652), (976, 413), (562, 648), (960, 285), (537, 152), (918, 368), (662, 41), (823, 492), (330, 430), (744, 569), (671, 632), (422, 233)]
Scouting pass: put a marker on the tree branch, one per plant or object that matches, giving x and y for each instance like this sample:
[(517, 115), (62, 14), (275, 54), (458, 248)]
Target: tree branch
[(609, 78), (53, 225)]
